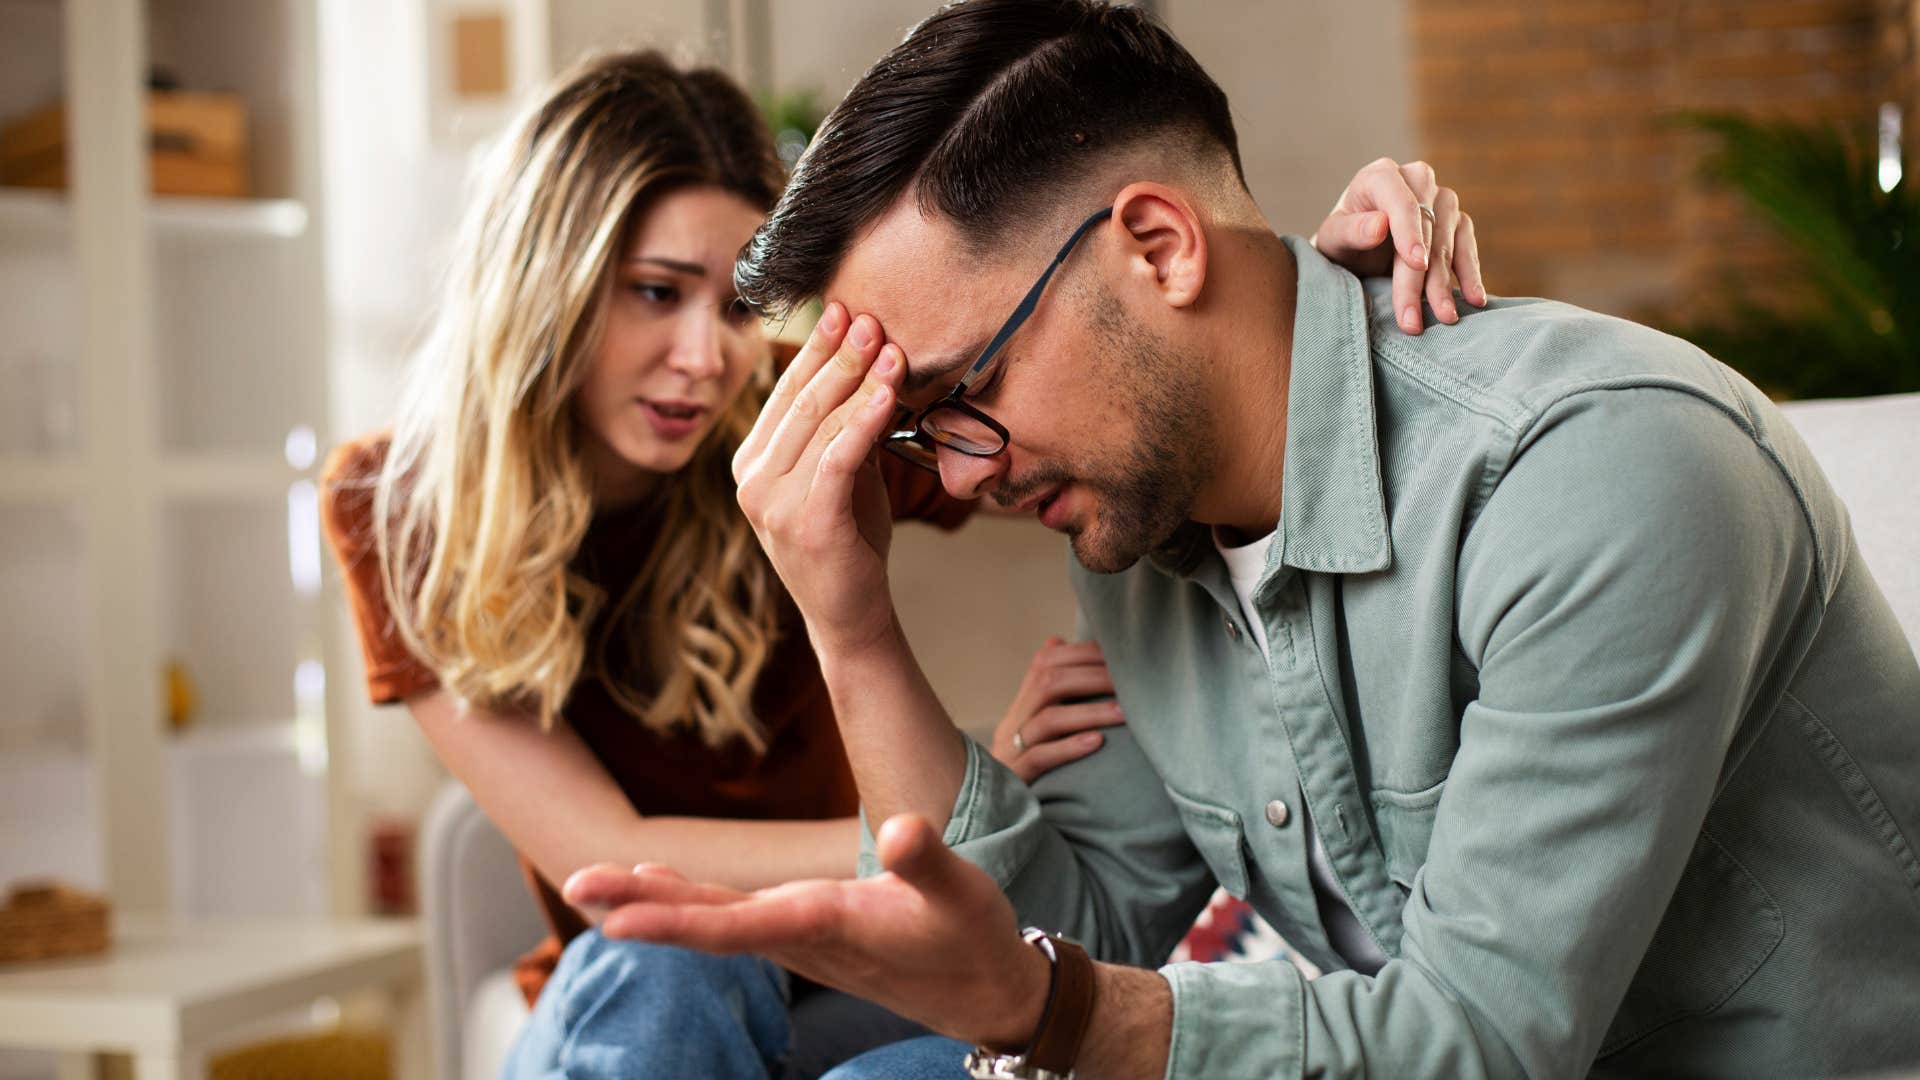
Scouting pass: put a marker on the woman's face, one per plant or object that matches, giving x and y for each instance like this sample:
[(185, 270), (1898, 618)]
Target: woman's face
[(678, 345)]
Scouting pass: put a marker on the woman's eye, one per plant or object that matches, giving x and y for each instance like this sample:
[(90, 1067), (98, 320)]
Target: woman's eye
[(654, 292)]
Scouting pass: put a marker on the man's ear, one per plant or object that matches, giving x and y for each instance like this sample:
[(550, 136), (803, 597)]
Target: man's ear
[(1165, 240)]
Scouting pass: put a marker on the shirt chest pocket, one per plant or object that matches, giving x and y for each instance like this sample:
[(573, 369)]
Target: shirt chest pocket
[(1216, 833), (1404, 820)]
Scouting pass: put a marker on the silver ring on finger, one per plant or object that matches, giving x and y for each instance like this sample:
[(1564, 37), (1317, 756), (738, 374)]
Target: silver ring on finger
[(1431, 216), (1019, 742)]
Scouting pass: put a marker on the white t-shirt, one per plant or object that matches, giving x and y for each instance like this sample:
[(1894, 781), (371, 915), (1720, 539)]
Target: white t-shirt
[(1245, 564)]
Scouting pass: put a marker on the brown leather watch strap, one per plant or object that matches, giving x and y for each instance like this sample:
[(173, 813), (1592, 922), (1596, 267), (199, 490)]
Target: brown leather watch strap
[(1056, 1044)]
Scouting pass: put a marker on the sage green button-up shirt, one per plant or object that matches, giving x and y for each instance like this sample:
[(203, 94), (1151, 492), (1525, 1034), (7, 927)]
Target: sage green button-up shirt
[(1611, 740)]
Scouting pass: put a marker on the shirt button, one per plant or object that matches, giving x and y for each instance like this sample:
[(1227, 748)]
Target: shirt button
[(1233, 631), (1277, 814)]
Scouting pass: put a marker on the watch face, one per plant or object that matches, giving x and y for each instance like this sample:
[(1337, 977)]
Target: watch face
[(985, 1064)]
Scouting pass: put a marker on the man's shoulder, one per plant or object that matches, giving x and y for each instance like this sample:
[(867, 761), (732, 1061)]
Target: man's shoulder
[(1515, 359), (1654, 412)]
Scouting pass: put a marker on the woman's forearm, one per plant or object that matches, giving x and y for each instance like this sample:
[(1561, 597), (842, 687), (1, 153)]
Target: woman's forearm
[(741, 854), (561, 810)]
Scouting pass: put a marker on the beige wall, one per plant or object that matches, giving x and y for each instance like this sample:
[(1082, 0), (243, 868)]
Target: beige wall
[(1318, 90), (826, 45), (577, 27), (976, 605)]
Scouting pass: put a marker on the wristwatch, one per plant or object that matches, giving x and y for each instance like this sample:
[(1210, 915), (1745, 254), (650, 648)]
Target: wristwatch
[(1063, 1023)]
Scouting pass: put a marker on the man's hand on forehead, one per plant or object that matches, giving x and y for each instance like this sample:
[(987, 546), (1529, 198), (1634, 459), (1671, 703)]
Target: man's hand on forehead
[(808, 483)]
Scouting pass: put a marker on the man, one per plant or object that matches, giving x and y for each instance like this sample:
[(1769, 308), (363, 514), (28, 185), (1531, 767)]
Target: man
[(1523, 673)]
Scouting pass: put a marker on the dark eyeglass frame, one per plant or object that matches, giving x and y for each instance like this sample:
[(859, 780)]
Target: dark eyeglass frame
[(913, 440)]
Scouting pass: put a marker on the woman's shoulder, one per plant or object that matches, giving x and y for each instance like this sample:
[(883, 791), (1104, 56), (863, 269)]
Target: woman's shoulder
[(355, 463), (347, 483)]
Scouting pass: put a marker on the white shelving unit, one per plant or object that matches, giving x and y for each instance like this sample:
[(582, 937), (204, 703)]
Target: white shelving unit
[(163, 396), (26, 212)]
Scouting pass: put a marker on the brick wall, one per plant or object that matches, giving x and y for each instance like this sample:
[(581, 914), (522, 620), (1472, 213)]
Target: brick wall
[(1546, 115)]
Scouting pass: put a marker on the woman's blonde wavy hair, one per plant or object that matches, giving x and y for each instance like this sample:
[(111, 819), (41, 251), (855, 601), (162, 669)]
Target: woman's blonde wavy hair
[(483, 499)]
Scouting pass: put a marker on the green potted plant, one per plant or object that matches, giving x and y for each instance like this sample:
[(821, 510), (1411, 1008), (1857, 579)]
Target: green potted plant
[(1858, 245)]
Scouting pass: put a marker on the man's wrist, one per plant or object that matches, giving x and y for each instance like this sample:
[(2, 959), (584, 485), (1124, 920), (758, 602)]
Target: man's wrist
[(1026, 992), (1131, 1033), (858, 638)]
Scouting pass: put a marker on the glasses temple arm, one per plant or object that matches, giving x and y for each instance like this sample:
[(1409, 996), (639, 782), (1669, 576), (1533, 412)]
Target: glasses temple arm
[(1028, 302)]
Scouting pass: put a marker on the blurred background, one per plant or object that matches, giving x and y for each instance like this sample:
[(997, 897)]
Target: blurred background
[(223, 221)]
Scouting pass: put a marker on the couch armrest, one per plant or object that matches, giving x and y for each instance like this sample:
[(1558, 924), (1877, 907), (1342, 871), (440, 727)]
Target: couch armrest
[(478, 914)]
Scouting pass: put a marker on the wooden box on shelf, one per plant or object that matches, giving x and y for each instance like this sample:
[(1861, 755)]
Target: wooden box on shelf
[(45, 921), (197, 145)]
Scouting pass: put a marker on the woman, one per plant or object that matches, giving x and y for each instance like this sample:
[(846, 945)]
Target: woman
[(547, 566)]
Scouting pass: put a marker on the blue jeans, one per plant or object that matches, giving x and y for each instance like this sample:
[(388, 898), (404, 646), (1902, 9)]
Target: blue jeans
[(929, 1057), (622, 1009)]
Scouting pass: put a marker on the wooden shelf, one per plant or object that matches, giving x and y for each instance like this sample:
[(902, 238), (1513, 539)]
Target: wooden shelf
[(46, 213)]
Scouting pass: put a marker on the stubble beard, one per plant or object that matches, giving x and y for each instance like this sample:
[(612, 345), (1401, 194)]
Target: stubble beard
[(1145, 493)]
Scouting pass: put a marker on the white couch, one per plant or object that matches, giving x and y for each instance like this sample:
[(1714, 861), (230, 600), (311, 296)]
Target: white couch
[(479, 915)]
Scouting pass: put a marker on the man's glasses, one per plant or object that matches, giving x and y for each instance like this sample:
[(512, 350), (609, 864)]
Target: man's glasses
[(951, 421)]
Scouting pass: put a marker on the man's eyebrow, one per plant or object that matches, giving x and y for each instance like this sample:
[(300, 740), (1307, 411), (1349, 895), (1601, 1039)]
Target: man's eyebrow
[(925, 375), (691, 268)]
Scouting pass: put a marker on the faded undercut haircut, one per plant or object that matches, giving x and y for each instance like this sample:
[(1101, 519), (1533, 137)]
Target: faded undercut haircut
[(990, 111)]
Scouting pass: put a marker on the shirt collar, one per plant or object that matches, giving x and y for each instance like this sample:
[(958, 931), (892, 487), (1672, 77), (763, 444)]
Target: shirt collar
[(1333, 508)]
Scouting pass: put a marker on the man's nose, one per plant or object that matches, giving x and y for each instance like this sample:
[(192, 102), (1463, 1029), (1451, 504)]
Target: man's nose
[(969, 477), (696, 347)]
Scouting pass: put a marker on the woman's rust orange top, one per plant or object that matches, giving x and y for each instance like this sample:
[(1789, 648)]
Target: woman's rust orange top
[(802, 775)]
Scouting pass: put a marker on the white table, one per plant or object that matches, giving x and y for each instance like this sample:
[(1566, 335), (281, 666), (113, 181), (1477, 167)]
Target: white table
[(168, 992)]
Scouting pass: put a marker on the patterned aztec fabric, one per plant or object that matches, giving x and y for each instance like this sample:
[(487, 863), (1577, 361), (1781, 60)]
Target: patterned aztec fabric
[(1229, 929)]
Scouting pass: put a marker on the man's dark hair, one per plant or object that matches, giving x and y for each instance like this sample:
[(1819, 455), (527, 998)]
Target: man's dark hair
[(989, 110)]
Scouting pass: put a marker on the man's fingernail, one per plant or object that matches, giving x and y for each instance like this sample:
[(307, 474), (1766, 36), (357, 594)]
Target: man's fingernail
[(885, 364), (832, 319), (1418, 253), (1410, 318), (862, 334), (877, 398)]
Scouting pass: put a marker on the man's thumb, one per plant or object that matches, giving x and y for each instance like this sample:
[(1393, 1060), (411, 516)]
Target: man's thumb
[(908, 846)]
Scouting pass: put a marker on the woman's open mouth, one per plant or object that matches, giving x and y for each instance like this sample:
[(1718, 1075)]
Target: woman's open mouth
[(674, 419)]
